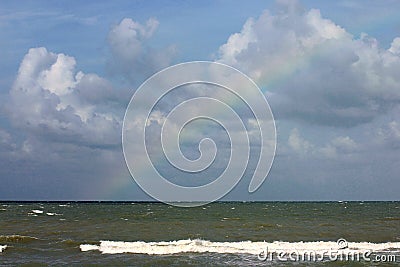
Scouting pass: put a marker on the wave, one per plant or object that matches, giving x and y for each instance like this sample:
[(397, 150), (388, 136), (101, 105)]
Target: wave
[(2, 248), (37, 211), (243, 247), (53, 214), (17, 238)]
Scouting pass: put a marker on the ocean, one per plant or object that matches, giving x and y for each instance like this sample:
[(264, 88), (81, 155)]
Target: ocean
[(217, 234)]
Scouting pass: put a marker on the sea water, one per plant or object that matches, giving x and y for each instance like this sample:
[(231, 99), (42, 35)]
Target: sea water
[(217, 234)]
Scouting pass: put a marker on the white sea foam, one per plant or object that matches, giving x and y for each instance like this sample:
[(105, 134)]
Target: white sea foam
[(53, 214), (88, 247), (244, 247), (37, 211), (2, 248)]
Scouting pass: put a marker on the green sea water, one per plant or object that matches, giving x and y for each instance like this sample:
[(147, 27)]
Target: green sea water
[(41, 234)]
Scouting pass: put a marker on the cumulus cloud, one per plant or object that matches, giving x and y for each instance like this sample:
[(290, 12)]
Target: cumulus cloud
[(51, 100), (388, 135), (297, 143), (65, 131), (339, 147), (133, 57), (345, 143), (395, 47), (65, 124), (336, 147), (314, 70)]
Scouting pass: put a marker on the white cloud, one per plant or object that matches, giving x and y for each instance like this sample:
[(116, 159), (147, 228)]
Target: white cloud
[(298, 144), (52, 100), (156, 117), (395, 47), (66, 131), (338, 146), (126, 38), (266, 45), (6, 142), (388, 135), (132, 54), (395, 129), (345, 144), (314, 70), (59, 78), (67, 122)]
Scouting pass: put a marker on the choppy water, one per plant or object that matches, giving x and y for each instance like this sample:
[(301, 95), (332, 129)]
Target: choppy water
[(218, 234)]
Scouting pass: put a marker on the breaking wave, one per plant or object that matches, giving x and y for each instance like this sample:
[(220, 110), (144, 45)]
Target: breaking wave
[(37, 211), (244, 247), (2, 248)]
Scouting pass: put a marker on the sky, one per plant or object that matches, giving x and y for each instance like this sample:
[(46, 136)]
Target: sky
[(330, 71)]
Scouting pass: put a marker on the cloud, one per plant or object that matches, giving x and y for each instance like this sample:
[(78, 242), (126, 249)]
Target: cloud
[(345, 143), (6, 142), (395, 46), (297, 143), (314, 70), (65, 124), (63, 140), (132, 55), (66, 132), (52, 101), (388, 135), (338, 147)]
